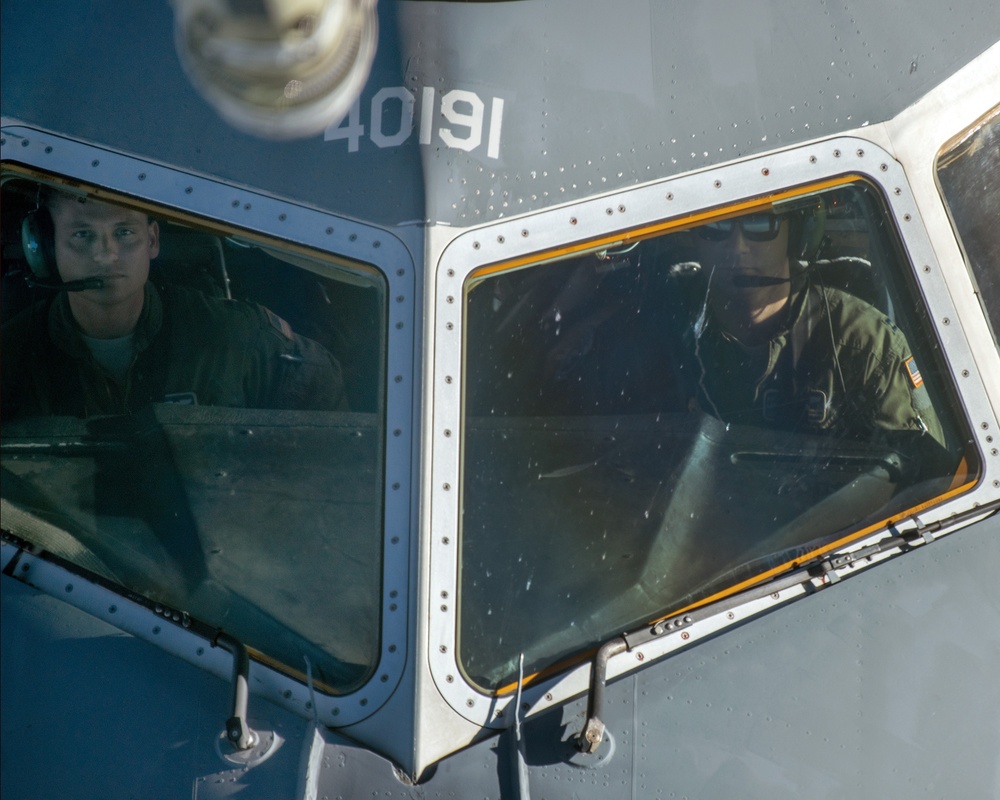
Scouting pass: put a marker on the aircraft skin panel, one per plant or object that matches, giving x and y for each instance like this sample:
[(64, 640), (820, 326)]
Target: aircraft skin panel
[(587, 104), (494, 140), (823, 698)]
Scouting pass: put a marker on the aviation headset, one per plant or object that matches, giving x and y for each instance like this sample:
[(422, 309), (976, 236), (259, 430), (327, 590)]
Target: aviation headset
[(38, 242)]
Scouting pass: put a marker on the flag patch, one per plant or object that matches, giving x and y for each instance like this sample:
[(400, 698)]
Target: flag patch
[(915, 378)]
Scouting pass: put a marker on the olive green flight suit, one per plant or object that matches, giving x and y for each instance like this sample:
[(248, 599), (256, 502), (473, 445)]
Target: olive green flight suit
[(187, 348), (839, 365)]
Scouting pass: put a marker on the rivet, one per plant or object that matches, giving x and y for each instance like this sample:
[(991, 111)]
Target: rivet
[(572, 220), (884, 167), (640, 657), (608, 211), (861, 153), (965, 373), (448, 379), (450, 273), (501, 239), (717, 184), (187, 190), (836, 154), (329, 231), (685, 635), (946, 321), (376, 244), (524, 232), (447, 432), (812, 159), (449, 678), (765, 172), (907, 217), (985, 426), (621, 209), (670, 195), (475, 245), (445, 540), (446, 487), (142, 176), (282, 217), (95, 163), (548, 696)]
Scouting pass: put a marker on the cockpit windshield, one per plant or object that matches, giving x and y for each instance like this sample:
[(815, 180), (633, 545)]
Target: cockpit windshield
[(659, 422), (197, 417)]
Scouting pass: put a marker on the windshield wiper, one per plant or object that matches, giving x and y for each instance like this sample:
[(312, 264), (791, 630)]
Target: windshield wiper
[(816, 575)]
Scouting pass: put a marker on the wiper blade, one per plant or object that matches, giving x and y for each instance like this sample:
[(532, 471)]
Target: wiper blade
[(68, 447)]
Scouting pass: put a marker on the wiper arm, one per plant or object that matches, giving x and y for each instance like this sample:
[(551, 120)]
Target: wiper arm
[(816, 575), (593, 731)]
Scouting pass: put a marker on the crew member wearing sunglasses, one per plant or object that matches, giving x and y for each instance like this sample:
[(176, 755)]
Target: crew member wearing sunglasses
[(774, 347)]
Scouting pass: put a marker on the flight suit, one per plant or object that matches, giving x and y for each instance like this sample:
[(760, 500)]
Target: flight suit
[(187, 348), (839, 365)]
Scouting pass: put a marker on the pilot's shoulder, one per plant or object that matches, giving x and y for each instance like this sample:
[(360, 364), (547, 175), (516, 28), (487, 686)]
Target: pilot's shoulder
[(230, 318)]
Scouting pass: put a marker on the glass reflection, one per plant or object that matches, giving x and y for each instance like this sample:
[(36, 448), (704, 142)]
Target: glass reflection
[(650, 426)]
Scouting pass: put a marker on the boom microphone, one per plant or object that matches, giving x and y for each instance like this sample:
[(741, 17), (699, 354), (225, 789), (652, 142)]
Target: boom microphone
[(81, 285)]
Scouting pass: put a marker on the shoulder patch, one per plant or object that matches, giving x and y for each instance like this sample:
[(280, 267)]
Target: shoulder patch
[(914, 373), (278, 323)]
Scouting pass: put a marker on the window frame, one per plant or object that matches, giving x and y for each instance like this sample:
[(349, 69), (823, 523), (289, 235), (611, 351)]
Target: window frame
[(605, 222), (255, 215)]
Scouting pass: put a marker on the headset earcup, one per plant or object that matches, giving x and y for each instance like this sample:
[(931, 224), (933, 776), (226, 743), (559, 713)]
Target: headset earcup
[(38, 243)]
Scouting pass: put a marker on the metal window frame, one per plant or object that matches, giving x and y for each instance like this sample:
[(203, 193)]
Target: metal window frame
[(677, 202), (212, 202)]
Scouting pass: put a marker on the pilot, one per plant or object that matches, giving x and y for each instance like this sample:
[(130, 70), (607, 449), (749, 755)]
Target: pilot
[(109, 342), (776, 347)]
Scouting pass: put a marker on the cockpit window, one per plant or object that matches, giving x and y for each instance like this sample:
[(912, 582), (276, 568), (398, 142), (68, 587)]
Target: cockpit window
[(660, 422), (969, 173), (197, 416)]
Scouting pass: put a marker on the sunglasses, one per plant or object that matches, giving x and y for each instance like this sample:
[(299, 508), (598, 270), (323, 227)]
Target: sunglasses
[(755, 227)]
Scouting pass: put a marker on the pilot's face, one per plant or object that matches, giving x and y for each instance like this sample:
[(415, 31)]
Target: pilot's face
[(99, 240), (746, 248)]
